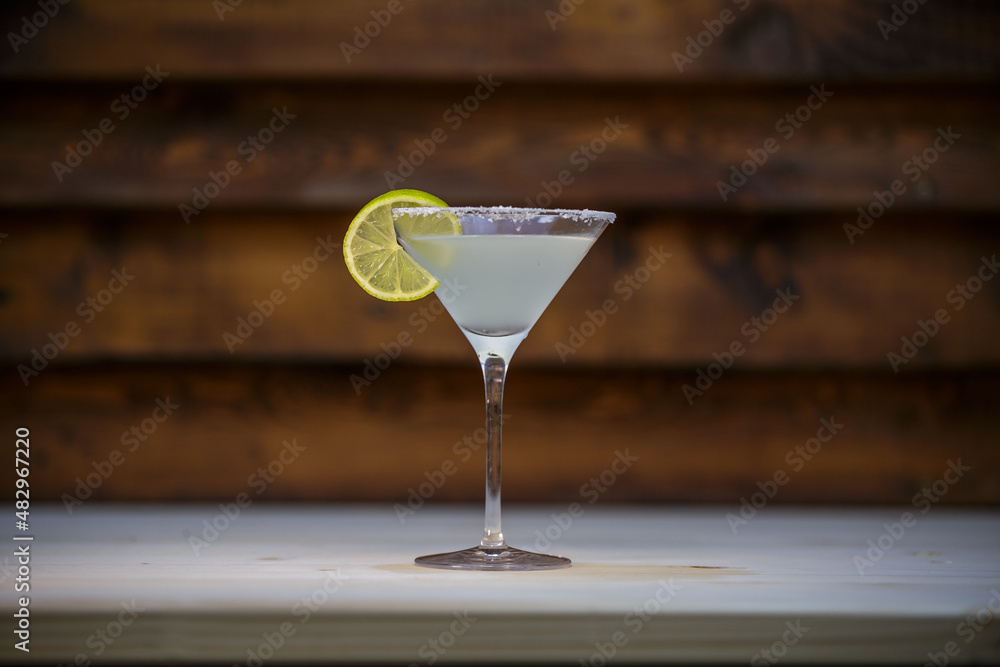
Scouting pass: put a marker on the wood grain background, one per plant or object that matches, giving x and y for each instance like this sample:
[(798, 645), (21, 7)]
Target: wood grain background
[(158, 101)]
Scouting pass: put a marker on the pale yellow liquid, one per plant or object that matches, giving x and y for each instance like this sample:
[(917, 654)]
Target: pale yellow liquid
[(498, 284)]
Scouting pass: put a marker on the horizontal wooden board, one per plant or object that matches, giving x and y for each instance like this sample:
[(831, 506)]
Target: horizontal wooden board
[(316, 145), (211, 432), (544, 39), (330, 584), (273, 286)]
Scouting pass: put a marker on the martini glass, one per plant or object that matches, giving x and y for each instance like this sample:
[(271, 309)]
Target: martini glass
[(501, 273)]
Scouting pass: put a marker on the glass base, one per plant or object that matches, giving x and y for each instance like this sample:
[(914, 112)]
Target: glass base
[(499, 558)]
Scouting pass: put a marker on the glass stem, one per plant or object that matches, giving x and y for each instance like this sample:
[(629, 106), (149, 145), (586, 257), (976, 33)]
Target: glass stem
[(494, 371)]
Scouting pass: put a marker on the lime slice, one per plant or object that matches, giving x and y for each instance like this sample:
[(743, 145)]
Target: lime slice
[(375, 258)]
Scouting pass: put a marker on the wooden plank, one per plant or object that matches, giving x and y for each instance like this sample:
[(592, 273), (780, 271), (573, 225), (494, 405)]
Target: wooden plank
[(415, 434), (670, 585), (202, 292), (620, 146), (546, 39)]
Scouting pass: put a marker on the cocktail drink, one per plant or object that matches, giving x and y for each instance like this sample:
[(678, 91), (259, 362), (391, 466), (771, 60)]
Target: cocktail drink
[(502, 266)]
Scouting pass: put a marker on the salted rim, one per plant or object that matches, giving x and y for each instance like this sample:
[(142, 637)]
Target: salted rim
[(511, 213)]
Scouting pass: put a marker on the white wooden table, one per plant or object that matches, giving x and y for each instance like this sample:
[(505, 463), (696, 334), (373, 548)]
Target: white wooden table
[(125, 583)]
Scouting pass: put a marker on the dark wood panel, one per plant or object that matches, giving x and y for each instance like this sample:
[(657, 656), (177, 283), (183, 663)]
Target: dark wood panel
[(870, 438), (616, 145), (208, 291), (545, 39)]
